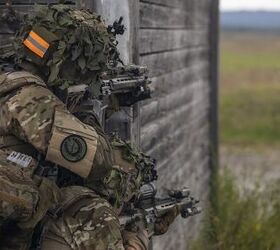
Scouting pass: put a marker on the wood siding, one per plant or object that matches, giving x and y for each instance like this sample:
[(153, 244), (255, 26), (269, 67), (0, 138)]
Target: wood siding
[(174, 44)]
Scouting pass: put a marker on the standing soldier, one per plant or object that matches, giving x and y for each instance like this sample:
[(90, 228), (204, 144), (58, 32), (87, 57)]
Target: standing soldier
[(46, 134)]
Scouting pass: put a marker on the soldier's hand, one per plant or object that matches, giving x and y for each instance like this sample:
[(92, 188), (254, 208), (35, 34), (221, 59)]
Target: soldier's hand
[(162, 223), (135, 240)]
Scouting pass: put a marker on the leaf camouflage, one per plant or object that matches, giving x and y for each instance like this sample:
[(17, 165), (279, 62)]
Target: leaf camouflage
[(80, 45)]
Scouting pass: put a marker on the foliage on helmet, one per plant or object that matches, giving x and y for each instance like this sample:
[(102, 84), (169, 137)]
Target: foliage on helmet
[(80, 45), (145, 164)]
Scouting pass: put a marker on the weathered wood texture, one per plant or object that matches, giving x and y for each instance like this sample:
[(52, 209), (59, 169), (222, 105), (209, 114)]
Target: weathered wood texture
[(154, 15), (174, 44)]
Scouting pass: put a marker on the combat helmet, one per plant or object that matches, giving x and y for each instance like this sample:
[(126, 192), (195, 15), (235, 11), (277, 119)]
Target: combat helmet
[(67, 45)]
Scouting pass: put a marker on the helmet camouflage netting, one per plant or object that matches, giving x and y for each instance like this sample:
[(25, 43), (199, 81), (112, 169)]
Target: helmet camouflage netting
[(79, 45)]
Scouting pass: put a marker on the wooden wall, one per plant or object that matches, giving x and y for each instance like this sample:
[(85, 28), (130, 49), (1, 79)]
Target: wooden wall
[(174, 44)]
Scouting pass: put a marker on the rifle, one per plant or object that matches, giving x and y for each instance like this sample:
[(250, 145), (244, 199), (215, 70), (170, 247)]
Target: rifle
[(130, 84), (147, 208), (119, 86)]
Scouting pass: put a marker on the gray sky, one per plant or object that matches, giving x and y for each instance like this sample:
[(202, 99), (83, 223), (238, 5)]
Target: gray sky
[(250, 4)]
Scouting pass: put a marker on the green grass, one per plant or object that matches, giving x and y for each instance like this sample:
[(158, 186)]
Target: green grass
[(250, 91), (250, 115), (236, 62), (241, 221)]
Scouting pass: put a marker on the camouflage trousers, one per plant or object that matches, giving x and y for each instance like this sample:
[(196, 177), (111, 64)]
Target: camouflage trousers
[(88, 223)]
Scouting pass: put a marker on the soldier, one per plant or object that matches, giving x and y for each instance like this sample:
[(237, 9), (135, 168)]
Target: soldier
[(47, 133)]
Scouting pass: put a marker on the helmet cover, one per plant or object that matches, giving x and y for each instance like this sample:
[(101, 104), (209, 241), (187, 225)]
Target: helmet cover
[(70, 46)]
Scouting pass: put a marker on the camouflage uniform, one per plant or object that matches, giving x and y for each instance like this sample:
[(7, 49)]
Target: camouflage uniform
[(55, 50), (35, 122), (90, 223), (27, 118)]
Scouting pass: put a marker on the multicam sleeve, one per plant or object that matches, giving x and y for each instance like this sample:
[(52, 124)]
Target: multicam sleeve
[(29, 115), (90, 223), (35, 115)]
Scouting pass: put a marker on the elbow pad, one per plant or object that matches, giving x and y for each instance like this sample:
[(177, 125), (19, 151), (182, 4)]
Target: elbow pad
[(73, 144)]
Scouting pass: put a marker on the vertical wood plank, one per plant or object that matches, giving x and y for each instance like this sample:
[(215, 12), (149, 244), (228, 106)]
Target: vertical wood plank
[(179, 45), (135, 24)]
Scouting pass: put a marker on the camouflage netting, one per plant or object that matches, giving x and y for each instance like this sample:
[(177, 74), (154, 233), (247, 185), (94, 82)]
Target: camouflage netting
[(80, 45)]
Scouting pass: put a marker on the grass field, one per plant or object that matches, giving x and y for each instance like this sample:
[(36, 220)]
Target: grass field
[(244, 211), (241, 220), (250, 89)]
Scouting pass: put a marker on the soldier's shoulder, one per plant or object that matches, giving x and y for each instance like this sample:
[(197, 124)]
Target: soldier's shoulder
[(83, 198), (13, 80)]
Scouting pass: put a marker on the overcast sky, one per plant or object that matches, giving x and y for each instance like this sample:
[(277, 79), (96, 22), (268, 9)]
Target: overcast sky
[(250, 4)]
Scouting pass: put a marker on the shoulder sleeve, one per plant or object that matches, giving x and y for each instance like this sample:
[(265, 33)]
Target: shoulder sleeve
[(29, 115), (34, 114)]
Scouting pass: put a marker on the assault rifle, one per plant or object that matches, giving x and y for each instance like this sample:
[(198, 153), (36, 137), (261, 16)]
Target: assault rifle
[(147, 207), (120, 86), (130, 84)]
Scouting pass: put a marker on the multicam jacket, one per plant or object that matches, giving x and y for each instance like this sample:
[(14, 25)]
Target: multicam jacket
[(33, 120)]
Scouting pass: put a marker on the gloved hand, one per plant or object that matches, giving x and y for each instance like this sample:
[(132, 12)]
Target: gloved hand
[(162, 224), (135, 240)]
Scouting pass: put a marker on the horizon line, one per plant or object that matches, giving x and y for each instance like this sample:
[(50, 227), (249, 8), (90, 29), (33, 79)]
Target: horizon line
[(249, 10)]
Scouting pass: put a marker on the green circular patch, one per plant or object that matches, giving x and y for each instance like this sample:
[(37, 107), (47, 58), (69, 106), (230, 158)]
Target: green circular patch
[(73, 148)]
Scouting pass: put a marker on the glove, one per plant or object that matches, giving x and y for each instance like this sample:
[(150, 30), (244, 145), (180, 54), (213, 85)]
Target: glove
[(162, 223), (135, 240)]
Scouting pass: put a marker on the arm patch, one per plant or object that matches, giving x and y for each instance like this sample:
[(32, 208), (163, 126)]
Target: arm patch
[(73, 144)]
